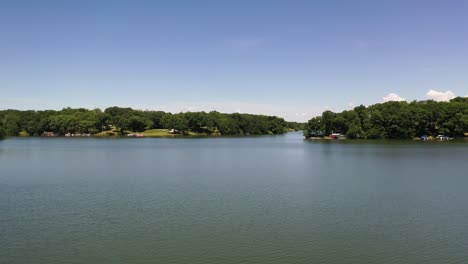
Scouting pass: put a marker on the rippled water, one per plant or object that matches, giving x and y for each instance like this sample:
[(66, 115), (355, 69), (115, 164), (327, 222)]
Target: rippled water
[(275, 199)]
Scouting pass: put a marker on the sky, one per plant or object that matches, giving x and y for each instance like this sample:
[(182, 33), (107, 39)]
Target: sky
[(288, 58)]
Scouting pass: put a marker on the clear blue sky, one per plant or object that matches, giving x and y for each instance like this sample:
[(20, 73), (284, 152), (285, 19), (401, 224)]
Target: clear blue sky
[(289, 58)]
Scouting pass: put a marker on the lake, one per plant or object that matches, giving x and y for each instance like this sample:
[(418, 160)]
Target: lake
[(270, 199)]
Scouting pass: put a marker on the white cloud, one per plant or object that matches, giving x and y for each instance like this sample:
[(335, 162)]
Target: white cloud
[(440, 96), (393, 97)]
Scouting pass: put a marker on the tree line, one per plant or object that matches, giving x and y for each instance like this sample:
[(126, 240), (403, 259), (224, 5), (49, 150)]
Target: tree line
[(122, 120), (394, 120)]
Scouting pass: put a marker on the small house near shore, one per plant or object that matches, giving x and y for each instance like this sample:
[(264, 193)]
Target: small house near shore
[(49, 134), (336, 136)]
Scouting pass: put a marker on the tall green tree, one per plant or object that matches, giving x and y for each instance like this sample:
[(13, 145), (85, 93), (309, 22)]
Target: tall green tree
[(138, 124), (120, 123), (175, 121)]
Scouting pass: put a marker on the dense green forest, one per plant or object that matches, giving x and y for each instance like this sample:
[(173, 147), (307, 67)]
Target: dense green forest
[(394, 120), (123, 120)]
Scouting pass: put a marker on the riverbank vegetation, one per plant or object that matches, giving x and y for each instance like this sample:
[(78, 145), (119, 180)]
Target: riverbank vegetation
[(394, 120), (117, 121), (295, 126), (2, 131)]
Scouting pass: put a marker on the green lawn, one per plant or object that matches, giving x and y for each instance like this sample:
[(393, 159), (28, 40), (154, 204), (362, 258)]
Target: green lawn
[(151, 133), (157, 133), (165, 133)]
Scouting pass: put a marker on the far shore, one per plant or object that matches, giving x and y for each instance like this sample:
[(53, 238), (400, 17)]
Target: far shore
[(152, 133), (385, 139)]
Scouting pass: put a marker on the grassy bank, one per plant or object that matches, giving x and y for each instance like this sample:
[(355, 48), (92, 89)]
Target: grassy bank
[(167, 133), (154, 133)]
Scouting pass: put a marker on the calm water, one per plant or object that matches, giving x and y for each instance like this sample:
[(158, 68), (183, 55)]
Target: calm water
[(276, 199)]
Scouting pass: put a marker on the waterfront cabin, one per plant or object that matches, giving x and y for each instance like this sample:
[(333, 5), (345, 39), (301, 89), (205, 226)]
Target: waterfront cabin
[(136, 135), (49, 134), (442, 137), (316, 134), (336, 136)]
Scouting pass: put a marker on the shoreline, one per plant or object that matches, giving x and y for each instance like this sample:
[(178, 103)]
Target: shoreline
[(142, 137), (385, 139), (153, 133)]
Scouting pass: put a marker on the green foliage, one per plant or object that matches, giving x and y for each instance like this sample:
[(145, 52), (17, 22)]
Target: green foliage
[(120, 123), (399, 120), (296, 126), (355, 131), (2, 131), (155, 117), (314, 128), (177, 121), (227, 125), (81, 120), (138, 124), (375, 133)]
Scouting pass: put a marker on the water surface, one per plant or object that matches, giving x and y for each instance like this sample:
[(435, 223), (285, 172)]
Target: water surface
[(273, 199)]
